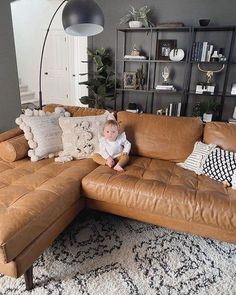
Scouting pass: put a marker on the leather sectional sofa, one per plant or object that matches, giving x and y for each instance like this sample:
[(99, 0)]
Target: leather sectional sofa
[(39, 199)]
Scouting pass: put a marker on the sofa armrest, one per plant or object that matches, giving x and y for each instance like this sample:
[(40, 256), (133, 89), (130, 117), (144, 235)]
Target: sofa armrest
[(10, 134)]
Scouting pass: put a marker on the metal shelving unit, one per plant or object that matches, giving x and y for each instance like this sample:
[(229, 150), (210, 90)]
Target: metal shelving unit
[(153, 64)]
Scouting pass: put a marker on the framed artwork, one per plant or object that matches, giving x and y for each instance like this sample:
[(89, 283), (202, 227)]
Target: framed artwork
[(164, 48), (130, 80)]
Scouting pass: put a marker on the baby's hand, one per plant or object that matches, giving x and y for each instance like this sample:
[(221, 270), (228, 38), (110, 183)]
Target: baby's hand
[(110, 162), (124, 154)]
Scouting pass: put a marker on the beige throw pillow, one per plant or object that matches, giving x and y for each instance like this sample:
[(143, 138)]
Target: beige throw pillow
[(80, 135), (197, 158), (43, 132)]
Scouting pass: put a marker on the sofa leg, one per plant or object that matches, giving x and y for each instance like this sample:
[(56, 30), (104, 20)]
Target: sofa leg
[(29, 278)]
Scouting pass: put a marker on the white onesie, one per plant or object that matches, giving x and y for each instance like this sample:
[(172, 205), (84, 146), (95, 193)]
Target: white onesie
[(114, 148)]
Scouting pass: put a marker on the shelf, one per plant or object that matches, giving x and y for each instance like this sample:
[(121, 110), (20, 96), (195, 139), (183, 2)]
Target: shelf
[(213, 28), (150, 91), (150, 61), (210, 62), (154, 29), (205, 94), (230, 95)]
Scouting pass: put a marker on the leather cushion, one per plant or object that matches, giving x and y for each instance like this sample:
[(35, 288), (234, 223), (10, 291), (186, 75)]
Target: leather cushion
[(221, 134), (163, 137), (10, 134), (163, 188), (33, 196), (14, 149)]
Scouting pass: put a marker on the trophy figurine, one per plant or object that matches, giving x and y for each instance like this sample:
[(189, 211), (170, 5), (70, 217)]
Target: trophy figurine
[(165, 74)]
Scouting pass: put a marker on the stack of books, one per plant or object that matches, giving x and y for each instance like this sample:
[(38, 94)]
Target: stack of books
[(201, 51), (232, 121), (165, 88)]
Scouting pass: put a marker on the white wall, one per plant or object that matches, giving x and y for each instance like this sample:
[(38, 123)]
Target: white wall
[(30, 19)]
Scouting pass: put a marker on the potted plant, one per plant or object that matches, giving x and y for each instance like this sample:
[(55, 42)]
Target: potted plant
[(137, 17), (209, 109), (102, 84)]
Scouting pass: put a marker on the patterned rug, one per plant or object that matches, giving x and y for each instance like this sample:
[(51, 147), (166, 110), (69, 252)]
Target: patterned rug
[(104, 254)]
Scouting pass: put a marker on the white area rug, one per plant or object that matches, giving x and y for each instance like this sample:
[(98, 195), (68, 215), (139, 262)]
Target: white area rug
[(101, 254)]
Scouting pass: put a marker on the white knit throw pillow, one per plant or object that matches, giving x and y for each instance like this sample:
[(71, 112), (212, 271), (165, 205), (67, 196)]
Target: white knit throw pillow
[(197, 158), (42, 131), (80, 135)]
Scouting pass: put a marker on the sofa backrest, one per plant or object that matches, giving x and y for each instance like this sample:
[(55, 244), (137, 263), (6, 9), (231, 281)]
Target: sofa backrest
[(75, 111), (162, 137), (221, 134)]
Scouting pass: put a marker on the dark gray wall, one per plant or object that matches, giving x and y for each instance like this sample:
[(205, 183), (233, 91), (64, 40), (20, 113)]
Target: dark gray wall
[(187, 11), (9, 89)]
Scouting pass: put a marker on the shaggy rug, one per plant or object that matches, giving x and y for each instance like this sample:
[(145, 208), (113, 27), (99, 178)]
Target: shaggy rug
[(104, 254)]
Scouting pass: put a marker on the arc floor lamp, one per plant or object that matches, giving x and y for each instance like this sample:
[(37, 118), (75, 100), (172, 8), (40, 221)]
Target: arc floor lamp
[(79, 18)]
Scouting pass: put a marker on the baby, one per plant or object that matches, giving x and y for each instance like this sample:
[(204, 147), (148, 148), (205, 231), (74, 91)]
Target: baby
[(114, 148)]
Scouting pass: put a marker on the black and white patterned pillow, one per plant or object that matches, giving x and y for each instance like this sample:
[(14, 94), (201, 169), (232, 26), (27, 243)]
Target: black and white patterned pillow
[(220, 165)]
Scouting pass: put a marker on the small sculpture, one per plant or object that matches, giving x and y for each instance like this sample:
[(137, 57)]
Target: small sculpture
[(165, 74), (135, 51)]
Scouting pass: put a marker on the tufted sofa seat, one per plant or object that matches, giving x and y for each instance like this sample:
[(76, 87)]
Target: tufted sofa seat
[(160, 192)]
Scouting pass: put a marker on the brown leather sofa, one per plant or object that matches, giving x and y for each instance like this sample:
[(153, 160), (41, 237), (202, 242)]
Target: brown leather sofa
[(38, 200)]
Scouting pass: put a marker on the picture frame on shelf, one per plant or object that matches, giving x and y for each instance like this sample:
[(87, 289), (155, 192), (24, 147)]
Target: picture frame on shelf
[(164, 48), (129, 80)]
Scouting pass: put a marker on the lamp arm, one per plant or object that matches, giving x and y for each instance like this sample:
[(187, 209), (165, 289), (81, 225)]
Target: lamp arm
[(41, 57)]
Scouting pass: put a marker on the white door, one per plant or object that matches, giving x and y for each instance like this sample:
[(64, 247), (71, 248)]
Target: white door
[(55, 73)]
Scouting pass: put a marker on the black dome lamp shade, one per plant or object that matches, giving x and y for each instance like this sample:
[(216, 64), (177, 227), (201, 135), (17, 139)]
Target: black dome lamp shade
[(79, 18), (82, 18)]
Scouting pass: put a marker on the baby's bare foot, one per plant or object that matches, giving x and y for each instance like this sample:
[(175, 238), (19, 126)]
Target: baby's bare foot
[(118, 168)]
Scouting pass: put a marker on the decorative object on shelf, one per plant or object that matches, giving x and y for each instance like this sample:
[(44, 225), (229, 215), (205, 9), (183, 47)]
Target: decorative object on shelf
[(209, 109), (137, 17), (165, 47), (215, 56), (140, 78), (165, 88), (221, 55), (176, 54), (135, 51), (129, 80), (207, 87), (233, 89), (170, 24), (134, 54), (102, 84), (204, 22), (132, 108), (165, 75), (79, 18)]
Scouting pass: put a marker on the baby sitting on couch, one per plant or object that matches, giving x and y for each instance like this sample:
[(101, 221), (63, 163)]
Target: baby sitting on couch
[(114, 148)]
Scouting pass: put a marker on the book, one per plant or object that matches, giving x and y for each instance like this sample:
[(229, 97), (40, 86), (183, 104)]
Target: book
[(204, 51), (132, 111), (135, 57)]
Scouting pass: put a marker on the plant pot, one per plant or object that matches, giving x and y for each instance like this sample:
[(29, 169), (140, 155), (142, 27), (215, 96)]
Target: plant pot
[(135, 24), (207, 117)]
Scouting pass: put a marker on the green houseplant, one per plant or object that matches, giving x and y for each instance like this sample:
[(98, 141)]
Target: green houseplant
[(102, 84), (209, 109), (137, 17)]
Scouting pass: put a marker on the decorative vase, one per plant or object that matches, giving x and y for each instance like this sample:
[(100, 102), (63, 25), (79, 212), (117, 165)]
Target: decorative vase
[(207, 117), (135, 24)]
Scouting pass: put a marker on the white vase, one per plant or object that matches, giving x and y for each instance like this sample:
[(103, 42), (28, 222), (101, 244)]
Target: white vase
[(135, 24), (207, 117)]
